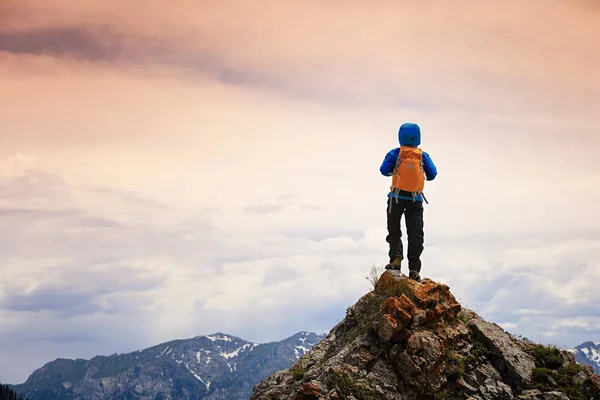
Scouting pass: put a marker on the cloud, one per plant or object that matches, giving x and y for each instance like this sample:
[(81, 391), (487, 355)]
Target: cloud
[(178, 279), (125, 220), (264, 208), (509, 55), (278, 204), (71, 291), (532, 287), (55, 42), (280, 275), (310, 207)]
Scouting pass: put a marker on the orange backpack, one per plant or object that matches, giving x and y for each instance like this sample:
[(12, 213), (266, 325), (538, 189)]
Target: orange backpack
[(409, 175)]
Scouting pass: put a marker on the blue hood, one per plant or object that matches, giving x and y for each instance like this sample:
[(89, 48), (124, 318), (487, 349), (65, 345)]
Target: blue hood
[(409, 135)]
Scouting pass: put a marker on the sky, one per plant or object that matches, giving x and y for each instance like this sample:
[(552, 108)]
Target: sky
[(172, 171)]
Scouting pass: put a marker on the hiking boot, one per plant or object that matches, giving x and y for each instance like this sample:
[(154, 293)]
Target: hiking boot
[(394, 264), (414, 275)]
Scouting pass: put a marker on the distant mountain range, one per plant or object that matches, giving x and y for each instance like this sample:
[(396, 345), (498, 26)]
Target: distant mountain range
[(217, 366), (588, 353)]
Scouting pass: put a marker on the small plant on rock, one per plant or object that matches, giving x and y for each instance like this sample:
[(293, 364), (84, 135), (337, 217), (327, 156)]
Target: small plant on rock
[(463, 317), (554, 373), (388, 286), (455, 364), (374, 274), (477, 350), (547, 356), (298, 373)]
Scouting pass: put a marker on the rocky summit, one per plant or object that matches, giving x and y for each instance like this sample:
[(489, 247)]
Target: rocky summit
[(410, 340)]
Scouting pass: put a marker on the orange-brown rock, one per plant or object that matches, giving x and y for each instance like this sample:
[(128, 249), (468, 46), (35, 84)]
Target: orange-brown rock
[(362, 357), (407, 305), (438, 310), (351, 369), (454, 309), (388, 327), (421, 295), (389, 285), (397, 314), (390, 306), (309, 391), (403, 318)]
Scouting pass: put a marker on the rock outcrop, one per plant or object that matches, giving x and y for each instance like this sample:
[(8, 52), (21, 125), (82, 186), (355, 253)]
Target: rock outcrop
[(409, 340)]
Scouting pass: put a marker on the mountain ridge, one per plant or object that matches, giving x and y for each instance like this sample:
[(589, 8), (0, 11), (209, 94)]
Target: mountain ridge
[(588, 353), (215, 366)]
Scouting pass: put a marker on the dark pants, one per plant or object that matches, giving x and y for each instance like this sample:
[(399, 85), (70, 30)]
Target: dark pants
[(413, 215)]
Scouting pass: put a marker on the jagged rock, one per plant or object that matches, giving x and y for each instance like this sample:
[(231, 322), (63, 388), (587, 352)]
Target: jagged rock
[(410, 340), (580, 378), (591, 386), (538, 395), (511, 358), (489, 382), (310, 391), (530, 395), (555, 396)]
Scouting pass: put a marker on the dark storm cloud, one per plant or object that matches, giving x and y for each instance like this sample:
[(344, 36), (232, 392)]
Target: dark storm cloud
[(62, 41)]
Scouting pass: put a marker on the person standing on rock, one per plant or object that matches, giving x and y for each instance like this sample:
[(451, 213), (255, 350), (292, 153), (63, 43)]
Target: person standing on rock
[(409, 167)]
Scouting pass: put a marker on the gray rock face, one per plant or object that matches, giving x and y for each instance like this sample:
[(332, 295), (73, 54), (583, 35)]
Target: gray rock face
[(408, 340), (207, 367), (537, 395), (510, 356), (489, 382)]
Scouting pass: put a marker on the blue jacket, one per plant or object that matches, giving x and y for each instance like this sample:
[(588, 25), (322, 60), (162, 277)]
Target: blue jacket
[(408, 135)]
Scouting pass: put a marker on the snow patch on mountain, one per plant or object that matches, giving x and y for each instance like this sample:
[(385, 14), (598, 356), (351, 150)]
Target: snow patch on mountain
[(232, 354), (595, 355), (588, 353), (214, 338), (222, 363), (299, 351), (207, 384), (163, 352)]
